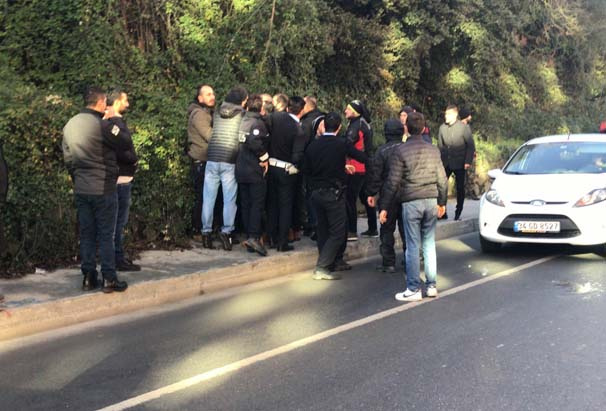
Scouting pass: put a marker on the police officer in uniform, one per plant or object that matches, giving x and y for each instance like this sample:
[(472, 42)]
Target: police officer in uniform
[(325, 167), (251, 167)]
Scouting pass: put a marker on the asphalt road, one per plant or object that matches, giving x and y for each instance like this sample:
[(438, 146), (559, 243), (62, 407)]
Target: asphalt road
[(498, 338)]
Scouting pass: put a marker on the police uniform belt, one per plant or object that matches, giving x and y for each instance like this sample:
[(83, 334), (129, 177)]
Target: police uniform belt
[(288, 167)]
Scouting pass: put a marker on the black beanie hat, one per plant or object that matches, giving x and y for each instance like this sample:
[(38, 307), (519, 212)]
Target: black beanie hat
[(464, 113), (361, 109), (393, 129), (357, 106)]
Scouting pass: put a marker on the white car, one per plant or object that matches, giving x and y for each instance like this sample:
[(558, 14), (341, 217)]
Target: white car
[(552, 191)]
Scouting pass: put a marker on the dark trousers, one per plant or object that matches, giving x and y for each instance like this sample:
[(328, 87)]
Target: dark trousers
[(97, 222), (394, 217), (332, 227), (252, 201), (124, 201), (312, 221), (299, 217), (354, 187), (281, 187), (371, 212), (460, 175), (197, 175), (355, 191)]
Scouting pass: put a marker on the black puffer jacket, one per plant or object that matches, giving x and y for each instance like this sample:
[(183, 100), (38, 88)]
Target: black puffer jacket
[(416, 170), (254, 139), (378, 170), (223, 145)]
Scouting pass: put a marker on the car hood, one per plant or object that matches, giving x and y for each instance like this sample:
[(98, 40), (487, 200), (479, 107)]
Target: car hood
[(547, 187)]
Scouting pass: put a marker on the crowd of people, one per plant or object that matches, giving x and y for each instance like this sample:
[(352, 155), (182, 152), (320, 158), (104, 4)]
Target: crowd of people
[(266, 170)]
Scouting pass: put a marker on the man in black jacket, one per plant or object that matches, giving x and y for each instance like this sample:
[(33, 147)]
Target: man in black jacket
[(89, 150), (457, 149), (417, 176), (303, 207), (221, 167), (325, 166), (286, 146), (359, 134), (378, 172), (118, 103), (251, 166), (199, 131)]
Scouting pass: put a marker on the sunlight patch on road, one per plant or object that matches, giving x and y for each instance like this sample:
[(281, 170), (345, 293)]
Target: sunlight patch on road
[(208, 356), (309, 288), (255, 304), (455, 244)]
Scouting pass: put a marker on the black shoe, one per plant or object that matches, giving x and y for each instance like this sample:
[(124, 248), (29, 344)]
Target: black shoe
[(457, 215), (313, 236), (225, 241), (370, 233), (352, 237), (90, 282), (109, 286), (444, 217), (341, 266), (255, 245), (207, 240), (390, 269), (284, 248), (127, 265)]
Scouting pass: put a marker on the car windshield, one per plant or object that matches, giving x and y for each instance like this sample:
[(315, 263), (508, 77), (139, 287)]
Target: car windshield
[(574, 157)]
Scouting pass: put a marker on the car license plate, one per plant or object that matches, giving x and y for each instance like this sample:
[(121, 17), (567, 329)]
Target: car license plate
[(536, 226)]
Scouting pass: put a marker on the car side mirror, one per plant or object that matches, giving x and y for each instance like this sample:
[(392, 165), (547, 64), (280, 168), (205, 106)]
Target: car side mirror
[(494, 173)]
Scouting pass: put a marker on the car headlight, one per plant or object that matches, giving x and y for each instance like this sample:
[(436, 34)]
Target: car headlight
[(593, 197), (493, 197)]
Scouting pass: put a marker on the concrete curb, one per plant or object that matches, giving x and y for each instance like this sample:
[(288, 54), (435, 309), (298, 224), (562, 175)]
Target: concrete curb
[(50, 315)]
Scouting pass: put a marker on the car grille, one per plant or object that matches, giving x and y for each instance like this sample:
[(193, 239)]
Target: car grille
[(568, 229), (546, 203)]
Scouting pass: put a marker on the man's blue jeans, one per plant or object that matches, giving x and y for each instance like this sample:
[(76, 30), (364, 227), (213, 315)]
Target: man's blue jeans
[(97, 220), (124, 201), (420, 217), (223, 174)]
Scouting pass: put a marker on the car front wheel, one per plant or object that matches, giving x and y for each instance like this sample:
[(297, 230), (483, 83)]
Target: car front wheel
[(600, 250), (488, 246)]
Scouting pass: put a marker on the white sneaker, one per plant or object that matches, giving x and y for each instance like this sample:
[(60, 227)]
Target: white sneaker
[(432, 291), (408, 295)]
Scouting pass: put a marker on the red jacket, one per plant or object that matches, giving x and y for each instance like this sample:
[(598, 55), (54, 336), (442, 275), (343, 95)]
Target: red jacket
[(359, 133)]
